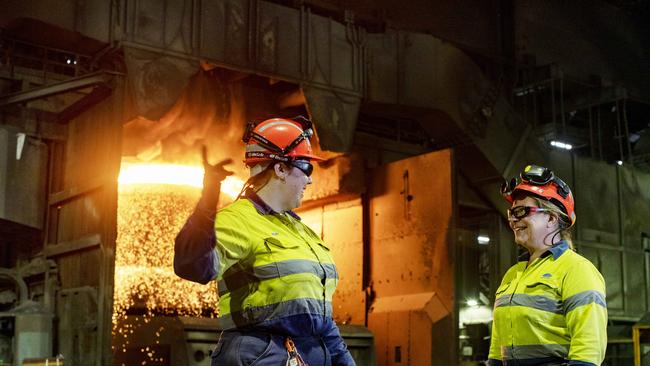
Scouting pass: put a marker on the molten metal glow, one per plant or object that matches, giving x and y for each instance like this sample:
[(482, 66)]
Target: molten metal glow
[(153, 203), (148, 218), (183, 175), (162, 174)]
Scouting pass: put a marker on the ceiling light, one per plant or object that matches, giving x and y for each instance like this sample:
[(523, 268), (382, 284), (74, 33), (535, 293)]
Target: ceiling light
[(619, 162), (483, 239), (561, 145), (472, 302)]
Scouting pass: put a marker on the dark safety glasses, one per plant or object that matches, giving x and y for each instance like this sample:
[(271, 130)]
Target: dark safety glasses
[(303, 165), (519, 212)]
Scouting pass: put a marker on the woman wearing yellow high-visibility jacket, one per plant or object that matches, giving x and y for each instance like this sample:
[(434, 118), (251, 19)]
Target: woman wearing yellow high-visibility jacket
[(275, 276), (550, 308)]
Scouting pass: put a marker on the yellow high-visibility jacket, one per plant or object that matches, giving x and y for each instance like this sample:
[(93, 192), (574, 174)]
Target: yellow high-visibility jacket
[(552, 310), (274, 274), (271, 266)]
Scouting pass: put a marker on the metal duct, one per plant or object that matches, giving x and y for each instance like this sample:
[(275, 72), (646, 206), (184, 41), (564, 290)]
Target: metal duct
[(325, 57), (335, 115), (421, 71)]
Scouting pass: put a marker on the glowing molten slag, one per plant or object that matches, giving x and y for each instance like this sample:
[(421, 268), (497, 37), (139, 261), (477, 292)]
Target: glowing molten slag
[(153, 203), (182, 175)]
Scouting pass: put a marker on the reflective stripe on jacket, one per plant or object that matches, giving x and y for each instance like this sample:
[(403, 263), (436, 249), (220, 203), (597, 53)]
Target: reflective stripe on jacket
[(553, 310), (271, 266)]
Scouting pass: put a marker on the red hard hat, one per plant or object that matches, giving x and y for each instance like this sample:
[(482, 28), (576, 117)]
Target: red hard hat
[(542, 183), (279, 139)]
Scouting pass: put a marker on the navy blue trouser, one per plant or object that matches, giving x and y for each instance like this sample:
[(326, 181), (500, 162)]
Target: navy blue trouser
[(237, 348)]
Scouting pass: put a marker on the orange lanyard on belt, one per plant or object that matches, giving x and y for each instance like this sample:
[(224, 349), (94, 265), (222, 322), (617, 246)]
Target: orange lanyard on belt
[(294, 358)]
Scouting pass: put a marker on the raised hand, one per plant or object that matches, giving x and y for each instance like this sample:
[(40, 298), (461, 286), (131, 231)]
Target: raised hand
[(213, 175)]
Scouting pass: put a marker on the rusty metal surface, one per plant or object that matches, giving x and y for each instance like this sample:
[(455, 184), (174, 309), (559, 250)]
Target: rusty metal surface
[(340, 226), (340, 176), (342, 230), (411, 209), (91, 153), (412, 272)]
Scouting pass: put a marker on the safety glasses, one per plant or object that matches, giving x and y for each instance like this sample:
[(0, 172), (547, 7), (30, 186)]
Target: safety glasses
[(303, 165), (519, 212)]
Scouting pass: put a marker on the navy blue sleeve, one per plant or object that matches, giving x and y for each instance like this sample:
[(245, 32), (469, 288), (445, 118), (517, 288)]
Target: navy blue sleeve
[(581, 363), (336, 347), (493, 362), (194, 256)]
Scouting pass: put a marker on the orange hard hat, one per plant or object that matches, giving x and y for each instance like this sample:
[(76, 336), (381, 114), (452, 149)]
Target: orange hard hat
[(543, 183), (280, 139)]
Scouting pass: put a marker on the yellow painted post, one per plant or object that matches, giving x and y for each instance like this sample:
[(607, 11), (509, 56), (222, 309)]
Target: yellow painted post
[(637, 345)]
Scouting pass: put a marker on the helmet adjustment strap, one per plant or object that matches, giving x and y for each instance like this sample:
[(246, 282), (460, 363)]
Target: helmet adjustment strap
[(278, 152), (265, 155)]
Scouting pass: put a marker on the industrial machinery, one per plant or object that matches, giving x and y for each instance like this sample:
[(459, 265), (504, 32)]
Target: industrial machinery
[(419, 120), (26, 329)]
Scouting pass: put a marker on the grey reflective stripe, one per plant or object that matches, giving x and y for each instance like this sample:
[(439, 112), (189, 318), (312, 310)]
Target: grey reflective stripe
[(531, 301), (502, 301), (584, 298), (240, 279), (535, 351), (275, 311)]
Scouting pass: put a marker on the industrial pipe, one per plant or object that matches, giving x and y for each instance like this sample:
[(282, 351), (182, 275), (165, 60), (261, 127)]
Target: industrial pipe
[(22, 286)]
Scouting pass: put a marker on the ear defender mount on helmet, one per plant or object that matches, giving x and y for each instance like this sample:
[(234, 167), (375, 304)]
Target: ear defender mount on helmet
[(543, 183)]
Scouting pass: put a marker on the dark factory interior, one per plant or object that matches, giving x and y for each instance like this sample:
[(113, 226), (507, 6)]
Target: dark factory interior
[(421, 109)]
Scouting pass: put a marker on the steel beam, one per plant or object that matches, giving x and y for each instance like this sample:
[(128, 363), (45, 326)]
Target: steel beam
[(100, 78)]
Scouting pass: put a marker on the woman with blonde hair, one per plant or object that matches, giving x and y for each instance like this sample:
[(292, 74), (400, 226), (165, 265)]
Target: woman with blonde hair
[(550, 308)]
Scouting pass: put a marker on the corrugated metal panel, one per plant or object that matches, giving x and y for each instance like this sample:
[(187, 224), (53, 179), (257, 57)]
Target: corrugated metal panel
[(412, 271), (81, 229)]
